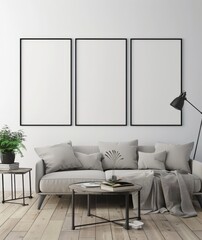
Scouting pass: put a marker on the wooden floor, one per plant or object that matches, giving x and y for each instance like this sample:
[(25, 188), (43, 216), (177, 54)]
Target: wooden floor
[(54, 221)]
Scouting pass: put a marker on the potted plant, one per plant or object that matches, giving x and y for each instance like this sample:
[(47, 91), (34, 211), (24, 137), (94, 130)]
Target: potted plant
[(10, 144)]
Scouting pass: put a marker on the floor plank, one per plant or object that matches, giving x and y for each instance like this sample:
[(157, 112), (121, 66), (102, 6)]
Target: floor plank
[(115, 212), (8, 212), (7, 227), (103, 231), (28, 219), (54, 221), (22, 210), (193, 223), (198, 234), (150, 228), (88, 231), (165, 227), (182, 229), (52, 230), (37, 229), (15, 236)]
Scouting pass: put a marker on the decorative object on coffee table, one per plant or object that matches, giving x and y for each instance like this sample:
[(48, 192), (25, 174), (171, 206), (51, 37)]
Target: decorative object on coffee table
[(10, 144), (178, 104), (77, 188), (115, 186), (114, 156)]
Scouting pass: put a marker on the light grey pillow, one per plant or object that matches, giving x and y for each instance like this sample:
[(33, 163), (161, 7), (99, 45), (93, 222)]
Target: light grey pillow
[(117, 155), (177, 155), (152, 160), (128, 143), (58, 157), (90, 161)]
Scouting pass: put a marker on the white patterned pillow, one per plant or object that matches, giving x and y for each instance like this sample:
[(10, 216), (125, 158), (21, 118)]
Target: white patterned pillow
[(119, 155)]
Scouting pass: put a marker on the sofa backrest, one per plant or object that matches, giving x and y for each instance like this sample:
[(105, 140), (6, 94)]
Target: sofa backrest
[(94, 149)]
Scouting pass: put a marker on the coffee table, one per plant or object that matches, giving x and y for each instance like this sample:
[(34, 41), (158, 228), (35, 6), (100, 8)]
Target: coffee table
[(77, 188)]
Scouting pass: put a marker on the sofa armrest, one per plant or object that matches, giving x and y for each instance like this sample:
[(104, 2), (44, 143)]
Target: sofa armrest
[(39, 173), (197, 168)]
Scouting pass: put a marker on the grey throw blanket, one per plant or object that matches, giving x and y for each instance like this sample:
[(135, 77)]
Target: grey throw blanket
[(165, 191)]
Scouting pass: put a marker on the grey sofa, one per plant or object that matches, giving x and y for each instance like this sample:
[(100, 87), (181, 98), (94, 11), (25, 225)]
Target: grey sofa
[(56, 183)]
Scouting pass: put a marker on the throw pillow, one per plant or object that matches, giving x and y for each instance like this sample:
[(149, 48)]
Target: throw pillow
[(90, 161), (117, 155), (128, 143), (177, 155), (58, 157), (152, 160)]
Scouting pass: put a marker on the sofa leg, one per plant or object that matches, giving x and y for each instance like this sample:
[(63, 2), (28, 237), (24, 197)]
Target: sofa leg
[(199, 198), (40, 202)]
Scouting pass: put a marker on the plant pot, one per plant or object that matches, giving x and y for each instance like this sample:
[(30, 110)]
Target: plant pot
[(7, 158)]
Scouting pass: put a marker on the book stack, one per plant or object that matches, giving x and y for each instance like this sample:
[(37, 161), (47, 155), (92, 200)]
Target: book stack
[(90, 184), (115, 186), (12, 166)]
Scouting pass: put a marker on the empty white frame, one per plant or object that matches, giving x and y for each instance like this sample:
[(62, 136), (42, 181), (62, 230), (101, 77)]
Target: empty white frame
[(45, 82), (101, 82), (156, 79)]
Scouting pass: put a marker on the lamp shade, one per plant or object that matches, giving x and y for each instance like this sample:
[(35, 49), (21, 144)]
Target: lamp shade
[(178, 102)]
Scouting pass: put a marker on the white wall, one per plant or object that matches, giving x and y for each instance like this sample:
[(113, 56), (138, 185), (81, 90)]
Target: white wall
[(100, 18)]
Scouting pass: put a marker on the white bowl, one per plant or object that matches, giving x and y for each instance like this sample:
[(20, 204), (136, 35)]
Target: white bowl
[(136, 224)]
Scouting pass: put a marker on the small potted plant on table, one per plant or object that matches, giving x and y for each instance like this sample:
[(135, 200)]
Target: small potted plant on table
[(10, 144)]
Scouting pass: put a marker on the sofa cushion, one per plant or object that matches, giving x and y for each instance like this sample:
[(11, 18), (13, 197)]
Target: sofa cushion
[(177, 155), (146, 148), (86, 149), (58, 157), (123, 173), (90, 161), (119, 155), (58, 182), (152, 160)]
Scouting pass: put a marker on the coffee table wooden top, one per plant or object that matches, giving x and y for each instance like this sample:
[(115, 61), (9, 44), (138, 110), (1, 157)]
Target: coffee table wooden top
[(79, 188)]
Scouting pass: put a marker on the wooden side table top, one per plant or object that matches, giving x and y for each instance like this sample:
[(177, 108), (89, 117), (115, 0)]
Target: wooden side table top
[(16, 171), (77, 187)]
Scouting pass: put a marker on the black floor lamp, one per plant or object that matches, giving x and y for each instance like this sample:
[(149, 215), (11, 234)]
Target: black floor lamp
[(178, 103)]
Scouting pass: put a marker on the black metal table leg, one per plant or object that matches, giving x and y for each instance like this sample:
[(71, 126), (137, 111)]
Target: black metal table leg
[(30, 185), (139, 209), (73, 209), (14, 187), (3, 197), (23, 190), (127, 211), (88, 205)]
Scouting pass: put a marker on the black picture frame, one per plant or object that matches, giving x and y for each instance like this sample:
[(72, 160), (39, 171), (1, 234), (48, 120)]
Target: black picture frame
[(80, 123), (67, 94), (132, 123)]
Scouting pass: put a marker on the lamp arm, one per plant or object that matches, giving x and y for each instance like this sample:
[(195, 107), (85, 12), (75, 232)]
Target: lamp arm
[(199, 128), (197, 140), (193, 106)]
